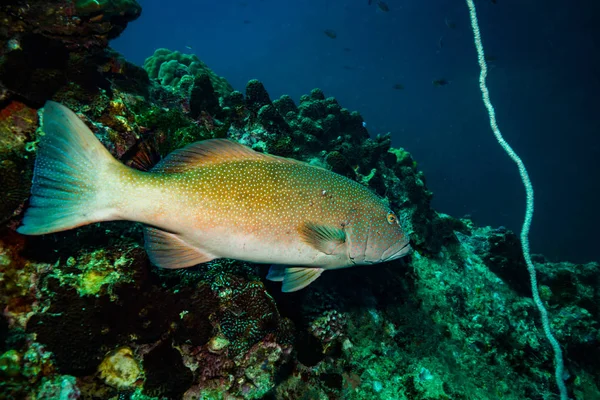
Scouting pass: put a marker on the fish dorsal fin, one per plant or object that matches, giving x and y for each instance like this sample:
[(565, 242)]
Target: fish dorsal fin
[(211, 151), (294, 278), (168, 250), (324, 238)]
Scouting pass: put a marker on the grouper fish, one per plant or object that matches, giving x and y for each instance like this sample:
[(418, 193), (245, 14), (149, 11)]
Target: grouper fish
[(212, 199)]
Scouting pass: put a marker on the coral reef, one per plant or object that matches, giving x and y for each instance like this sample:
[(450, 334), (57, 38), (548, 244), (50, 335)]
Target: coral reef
[(85, 315)]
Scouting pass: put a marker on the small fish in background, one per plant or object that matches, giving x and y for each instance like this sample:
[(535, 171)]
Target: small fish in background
[(330, 33), (440, 82), (398, 86), (383, 6), (449, 23), (212, 199), (347, 49), (348, 68), (247, 21), (490, 58), (188, 47)]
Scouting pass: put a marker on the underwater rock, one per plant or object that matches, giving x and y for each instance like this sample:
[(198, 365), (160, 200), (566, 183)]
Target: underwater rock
[(166, 375), (3, 333), (124, 75), (50, 41), (15, 181), (18, 124), (108, 8), (251, 376), (19, 281)]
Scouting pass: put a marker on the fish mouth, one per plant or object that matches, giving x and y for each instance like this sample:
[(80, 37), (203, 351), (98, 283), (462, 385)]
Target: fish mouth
[(394, 252)]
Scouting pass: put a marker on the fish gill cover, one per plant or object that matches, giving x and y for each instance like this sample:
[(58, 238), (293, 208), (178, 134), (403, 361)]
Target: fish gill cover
[(86, 315)]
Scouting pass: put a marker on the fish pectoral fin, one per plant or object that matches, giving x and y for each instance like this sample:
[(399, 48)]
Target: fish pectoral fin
[(168, 250), (296, 278), (324, 238)]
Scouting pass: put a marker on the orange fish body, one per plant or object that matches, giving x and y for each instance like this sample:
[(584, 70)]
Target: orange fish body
[(212, 199)]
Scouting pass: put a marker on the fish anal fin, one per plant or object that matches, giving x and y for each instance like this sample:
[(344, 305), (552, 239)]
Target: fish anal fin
[(324, 238), (168, 250), (294, 278)]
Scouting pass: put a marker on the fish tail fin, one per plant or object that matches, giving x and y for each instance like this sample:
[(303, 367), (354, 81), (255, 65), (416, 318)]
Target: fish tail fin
[(71, 178)]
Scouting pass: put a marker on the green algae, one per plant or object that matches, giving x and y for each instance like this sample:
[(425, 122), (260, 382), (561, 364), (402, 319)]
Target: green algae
[(94, 273)]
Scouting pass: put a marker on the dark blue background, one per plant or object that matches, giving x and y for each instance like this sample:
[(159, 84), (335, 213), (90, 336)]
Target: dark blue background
[(544, 84)]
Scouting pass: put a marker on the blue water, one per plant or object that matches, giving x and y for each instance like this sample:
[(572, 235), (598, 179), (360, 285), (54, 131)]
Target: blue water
[(544, 83)]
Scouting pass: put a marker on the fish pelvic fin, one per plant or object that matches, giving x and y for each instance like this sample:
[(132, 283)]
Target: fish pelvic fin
[(293, 278), (70, 173), (324, 238), (276, 273), (168, 250)]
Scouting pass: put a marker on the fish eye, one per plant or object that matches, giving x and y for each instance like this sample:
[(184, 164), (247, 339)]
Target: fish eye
[(391, 218)]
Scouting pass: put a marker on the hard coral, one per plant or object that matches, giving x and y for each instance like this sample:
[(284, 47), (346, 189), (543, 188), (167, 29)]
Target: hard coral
[(256, 96), (169, 67), (120, 369), (285, 104), (247, 312), (272, 121), (339, 164), (330, 326), (203, 97)]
